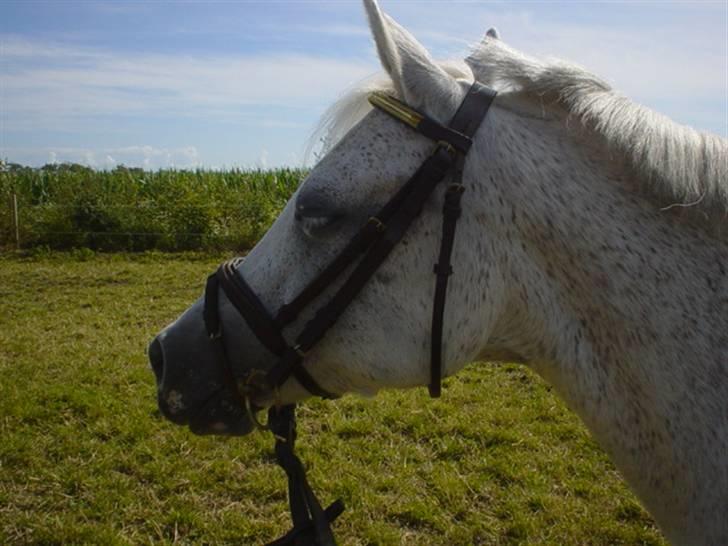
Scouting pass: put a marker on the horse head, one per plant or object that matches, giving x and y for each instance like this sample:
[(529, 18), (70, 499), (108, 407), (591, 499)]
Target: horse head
[(382, 338)]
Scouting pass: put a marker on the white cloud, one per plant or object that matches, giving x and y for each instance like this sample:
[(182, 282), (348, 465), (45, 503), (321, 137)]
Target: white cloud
[(47, 88), (655, 64), (48, 84), (263, 159), (147, 156), (361, 30), (656, 61)]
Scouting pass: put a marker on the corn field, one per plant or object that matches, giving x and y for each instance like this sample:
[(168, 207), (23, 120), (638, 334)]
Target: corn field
[(128, 209)]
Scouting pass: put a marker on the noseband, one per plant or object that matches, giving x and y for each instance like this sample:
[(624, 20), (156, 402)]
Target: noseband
[(370, 246)]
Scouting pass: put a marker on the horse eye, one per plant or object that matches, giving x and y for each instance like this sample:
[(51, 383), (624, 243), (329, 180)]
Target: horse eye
[(318, 226), (316, 216)]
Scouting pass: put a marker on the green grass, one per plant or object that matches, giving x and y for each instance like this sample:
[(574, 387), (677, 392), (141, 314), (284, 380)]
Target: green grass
[(85, 458)]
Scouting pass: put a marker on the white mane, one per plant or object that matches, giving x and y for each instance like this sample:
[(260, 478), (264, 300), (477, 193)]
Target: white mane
[(677, 165), (681, 168)]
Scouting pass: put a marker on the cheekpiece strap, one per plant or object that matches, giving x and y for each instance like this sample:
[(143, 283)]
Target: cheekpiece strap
[(467, 120)]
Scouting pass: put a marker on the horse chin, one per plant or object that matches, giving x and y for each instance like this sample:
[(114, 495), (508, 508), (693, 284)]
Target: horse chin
[(222, 428), (222, 417)]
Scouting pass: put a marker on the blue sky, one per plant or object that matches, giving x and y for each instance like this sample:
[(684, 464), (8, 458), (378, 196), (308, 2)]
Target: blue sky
[(222, 84)]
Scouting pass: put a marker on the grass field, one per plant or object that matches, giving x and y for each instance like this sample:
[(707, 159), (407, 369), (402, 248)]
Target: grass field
[(85, 458)]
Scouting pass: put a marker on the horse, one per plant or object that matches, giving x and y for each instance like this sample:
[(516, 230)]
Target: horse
[(592, 247)]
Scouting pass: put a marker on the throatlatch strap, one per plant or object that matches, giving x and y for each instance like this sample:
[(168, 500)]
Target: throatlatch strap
[(311, 523), (451, 212)]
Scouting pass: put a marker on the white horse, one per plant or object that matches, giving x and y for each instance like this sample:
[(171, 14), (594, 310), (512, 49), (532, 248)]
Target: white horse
[(592, 247)]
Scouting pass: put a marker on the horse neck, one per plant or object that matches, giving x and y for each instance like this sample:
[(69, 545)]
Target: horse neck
[(623, 311)]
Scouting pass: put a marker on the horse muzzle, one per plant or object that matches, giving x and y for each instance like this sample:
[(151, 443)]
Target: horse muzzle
[(191, 389)]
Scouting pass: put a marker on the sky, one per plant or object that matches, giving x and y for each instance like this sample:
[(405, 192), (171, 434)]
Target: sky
[(242, 84)]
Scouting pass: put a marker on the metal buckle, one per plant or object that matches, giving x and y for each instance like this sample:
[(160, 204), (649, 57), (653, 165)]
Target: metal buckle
[(253, 417), (263, 427), (445, 145), (248, 388), (377, 223)]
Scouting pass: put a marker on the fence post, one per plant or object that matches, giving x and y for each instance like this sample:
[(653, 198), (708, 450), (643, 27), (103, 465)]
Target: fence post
[(16, 221)]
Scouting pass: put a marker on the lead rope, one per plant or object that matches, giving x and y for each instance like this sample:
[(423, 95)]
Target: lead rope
[(311, 523)]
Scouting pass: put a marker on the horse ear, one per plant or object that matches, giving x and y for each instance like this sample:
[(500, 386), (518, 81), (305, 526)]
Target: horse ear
[(417, 79), (388, 54), (490, 35)]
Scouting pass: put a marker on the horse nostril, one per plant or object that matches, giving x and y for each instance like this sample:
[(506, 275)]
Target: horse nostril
[(156, 359)]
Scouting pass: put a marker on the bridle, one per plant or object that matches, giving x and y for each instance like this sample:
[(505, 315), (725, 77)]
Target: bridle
[(375, 241), (370, 246)]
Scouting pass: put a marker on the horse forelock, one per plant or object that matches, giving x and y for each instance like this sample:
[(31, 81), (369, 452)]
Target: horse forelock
[(680, 169), (353, 105)]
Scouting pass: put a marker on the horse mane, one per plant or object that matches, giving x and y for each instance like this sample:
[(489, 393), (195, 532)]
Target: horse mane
[(683, 170)]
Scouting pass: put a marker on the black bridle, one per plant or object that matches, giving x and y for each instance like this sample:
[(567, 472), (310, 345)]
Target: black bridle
[(370, 246)]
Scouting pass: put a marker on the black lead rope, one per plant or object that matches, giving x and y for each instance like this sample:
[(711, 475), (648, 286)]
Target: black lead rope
[(311, 523)]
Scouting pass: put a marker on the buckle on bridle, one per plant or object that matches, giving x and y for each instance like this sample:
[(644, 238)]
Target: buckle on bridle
[(445, 145), (263, 427), (252, 415), (377, 223), (250, 385)]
